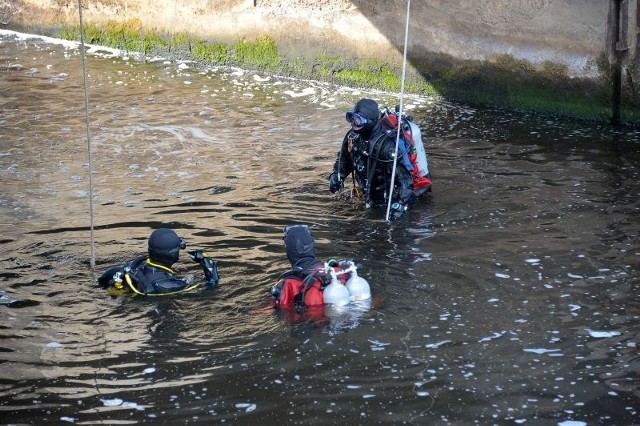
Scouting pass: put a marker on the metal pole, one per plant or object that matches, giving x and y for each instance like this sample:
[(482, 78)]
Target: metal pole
[(404, 68), (616, 67), (86, 110)]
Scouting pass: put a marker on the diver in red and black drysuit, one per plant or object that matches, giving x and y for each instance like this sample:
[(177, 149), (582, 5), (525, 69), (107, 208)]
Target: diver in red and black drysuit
[(300, 289), (368, 151), (152, 274)]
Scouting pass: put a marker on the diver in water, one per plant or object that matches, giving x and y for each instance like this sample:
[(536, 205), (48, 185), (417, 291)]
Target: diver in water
[(152, 274), (293, 290), (368, 151), (311, 283)]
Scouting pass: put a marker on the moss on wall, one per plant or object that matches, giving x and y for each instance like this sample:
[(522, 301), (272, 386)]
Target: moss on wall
[(505, 82)]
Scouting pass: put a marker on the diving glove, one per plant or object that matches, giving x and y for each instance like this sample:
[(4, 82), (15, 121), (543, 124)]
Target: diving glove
[(336, 182), (197, 255), (111, 276), (209, 266)]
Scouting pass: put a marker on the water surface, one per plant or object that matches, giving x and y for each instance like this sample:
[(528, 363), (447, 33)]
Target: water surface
[(509, 296)]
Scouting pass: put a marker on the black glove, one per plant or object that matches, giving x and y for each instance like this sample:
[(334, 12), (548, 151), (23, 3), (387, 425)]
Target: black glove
[(108, 278), (397, 211), (336, 182), (197, 255), (209, 266)]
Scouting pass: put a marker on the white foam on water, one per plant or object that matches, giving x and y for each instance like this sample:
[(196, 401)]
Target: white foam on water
[(115, 402), (246, 406), (437, 345), (494, 336), (305, 92), (541, 351), (602, 334)]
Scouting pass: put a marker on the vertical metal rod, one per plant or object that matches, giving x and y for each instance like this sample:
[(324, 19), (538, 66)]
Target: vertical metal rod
[(404, 68), (86, 110), (616, 71), (636, 53)]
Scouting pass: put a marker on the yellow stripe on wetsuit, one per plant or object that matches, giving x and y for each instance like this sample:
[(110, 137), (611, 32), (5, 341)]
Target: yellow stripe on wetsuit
[(133, 288)]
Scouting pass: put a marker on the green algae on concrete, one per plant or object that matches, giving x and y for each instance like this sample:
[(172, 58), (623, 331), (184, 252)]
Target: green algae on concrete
[(260, 54), (215, 53), (505, 82)]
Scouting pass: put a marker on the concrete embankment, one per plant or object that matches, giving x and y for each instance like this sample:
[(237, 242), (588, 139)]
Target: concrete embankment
[(461, 49)]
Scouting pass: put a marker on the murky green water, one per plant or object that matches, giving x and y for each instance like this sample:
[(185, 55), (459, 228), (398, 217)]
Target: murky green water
[(510, 296)]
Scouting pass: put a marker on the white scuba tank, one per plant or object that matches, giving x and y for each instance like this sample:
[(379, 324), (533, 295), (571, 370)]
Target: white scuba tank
[(421, 154), (336, 293), (358, 287)]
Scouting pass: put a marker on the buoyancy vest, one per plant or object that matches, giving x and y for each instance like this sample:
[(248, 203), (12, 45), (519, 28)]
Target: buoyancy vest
[(300, 288), (410, 150), (144, 277), (371, 163)]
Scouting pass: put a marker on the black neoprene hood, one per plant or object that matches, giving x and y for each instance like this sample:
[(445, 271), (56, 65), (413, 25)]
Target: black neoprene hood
[(368, 108), (299, 243), (164, 247)]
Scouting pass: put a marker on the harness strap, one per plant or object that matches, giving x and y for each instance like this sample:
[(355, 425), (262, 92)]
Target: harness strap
[(134, 289), (129, 281), (308, 283), (308, 277), (372, 160), (157, 265)]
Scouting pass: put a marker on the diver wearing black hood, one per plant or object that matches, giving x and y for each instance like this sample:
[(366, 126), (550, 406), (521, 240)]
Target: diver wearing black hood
[(302, 287), (152, 274), (300, 247), (368, 151)]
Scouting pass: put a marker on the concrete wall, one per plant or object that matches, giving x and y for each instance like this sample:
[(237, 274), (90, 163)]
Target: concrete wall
[(570, 32)]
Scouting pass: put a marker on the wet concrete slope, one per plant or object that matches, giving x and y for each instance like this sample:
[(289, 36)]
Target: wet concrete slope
[(569, 32)]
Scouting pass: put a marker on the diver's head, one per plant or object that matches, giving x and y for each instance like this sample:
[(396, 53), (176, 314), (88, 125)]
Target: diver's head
[(364, 116), (165, 246), (298, 243)]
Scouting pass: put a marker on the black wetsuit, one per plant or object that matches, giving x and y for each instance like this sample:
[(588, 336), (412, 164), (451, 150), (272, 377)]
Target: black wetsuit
[(144, 277), (370, 158)]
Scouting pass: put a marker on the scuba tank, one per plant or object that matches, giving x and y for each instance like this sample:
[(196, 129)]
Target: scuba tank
[(412, 135), (421, 154), (335, 293), (358, 287)]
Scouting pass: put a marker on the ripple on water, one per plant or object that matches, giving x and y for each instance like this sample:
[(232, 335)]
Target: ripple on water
[(505, 296)]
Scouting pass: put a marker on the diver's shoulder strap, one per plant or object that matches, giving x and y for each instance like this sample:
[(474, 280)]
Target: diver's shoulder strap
[(160, 283), (134, 275)]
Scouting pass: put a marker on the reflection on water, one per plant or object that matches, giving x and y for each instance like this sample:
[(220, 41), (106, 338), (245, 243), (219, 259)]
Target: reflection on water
[(507, 297)]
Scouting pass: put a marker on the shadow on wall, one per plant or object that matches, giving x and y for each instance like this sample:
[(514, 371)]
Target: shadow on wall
[(517, 54), (539, 55)]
